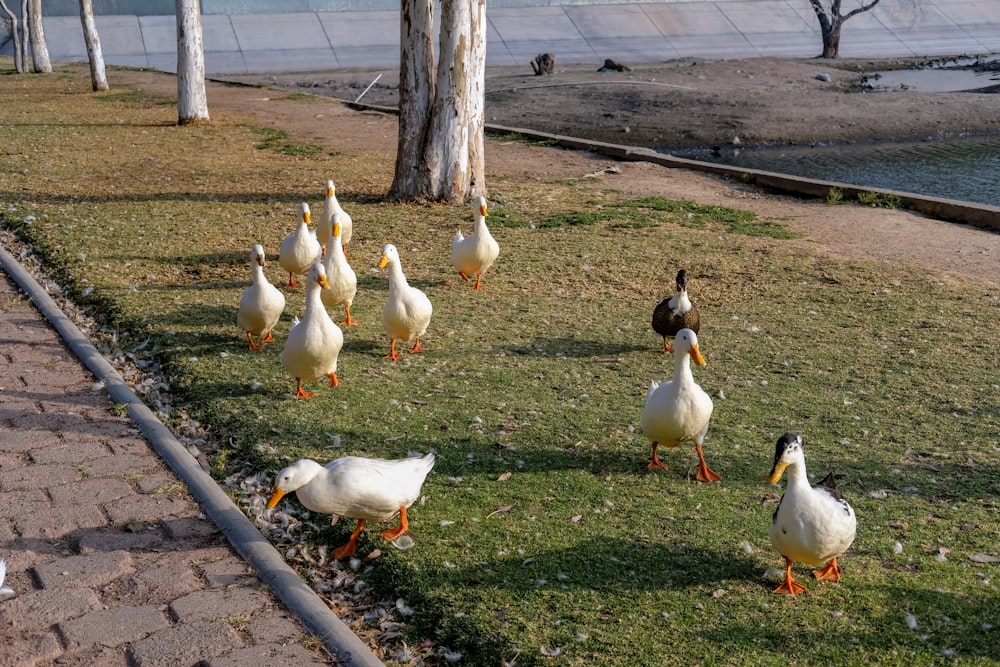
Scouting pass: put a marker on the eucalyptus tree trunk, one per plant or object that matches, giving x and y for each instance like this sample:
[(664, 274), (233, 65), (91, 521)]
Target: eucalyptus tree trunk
[(25, 35), (477, 100), (416, 92), (98, 79), (15, 27), (39, 51), (831, 20), (192, 100), (440, 148)]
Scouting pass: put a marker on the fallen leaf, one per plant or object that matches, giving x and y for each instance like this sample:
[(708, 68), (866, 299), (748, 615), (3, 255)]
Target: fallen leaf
[(504, 477), (501, 510), (576, 519), (984, 558), (718, 593)]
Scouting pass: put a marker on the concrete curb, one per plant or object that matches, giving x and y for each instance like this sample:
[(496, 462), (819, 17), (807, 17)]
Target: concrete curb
[(269, 566)]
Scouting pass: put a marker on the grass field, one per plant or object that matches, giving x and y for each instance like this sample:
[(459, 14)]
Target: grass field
[(542, 536)]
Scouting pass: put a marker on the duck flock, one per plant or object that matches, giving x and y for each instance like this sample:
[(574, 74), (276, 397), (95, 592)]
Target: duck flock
[(812, 524)]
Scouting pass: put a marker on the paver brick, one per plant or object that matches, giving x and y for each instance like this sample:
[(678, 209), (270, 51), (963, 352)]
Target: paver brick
[(135, 508), (189, 527), (159, 584), (37, 477), (184, 645), (56, 521), (91, 491), (22, 440), (115, 540), (13, 500), (213, 604), (66, 452), (228, 571), (274, 628), (157, 480), (37, 610), (111, 627), (88, 570), (31, 650), (128, 443), (120, 465), (267, 655)]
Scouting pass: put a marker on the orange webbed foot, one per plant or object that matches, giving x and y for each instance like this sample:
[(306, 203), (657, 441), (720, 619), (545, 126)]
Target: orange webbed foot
[(656, 463), (464, 277), (269, 338), (253, 345), (351, 547), (291, 281), (790, 587), (302, 393), (393, 533), (829, 573), (334, 382), (416, 347), (704, 474)]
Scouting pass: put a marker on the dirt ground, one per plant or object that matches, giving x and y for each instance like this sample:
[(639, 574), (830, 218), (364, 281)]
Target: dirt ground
[(706, 103)]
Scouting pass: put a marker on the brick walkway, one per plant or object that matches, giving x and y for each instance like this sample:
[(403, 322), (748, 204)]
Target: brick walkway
[(111, 559)]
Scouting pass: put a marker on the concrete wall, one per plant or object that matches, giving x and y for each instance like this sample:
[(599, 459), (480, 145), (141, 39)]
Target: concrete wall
[(163, 7)]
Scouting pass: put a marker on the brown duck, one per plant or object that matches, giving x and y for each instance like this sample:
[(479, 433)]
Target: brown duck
[(676, 313)]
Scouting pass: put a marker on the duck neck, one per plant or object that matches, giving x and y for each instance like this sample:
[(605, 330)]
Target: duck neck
[(682, 367), (396, 277), (313, 299), (257, 274), (480, 226), (680, 304), (797, 478)]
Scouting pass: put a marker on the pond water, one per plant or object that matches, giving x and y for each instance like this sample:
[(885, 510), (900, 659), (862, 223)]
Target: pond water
[(966, 169)]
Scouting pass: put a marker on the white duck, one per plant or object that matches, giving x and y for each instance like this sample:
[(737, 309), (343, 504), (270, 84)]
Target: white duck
[(812, 524), (407, 311), (314, 343), (339, 274), (678, 411), (261, 304), (474, 254), (300, 249), (5, 591), (331, 207), (360, 488)]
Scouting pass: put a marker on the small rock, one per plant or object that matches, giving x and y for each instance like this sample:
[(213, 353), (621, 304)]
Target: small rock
[(823, 76)]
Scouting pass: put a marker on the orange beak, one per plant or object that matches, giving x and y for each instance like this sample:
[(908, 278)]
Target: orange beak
[(779, 470), (275, 497), (696, 356)]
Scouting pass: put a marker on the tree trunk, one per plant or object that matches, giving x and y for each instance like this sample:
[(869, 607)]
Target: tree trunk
[(830, 22), (831, 42), (15, 36), (477, 100), (447, 156), (416, 92), (192, 100), (39, 51), (98, 80), (25, 35), (440, 149)]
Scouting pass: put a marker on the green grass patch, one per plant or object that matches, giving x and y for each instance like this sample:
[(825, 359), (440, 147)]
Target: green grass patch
[(280, 141), (578, 556)]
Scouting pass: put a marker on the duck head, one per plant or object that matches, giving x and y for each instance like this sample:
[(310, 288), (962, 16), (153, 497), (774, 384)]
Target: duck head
[(293, 478), (389, 255), (304, 214), (787, 451), (686, 342)]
